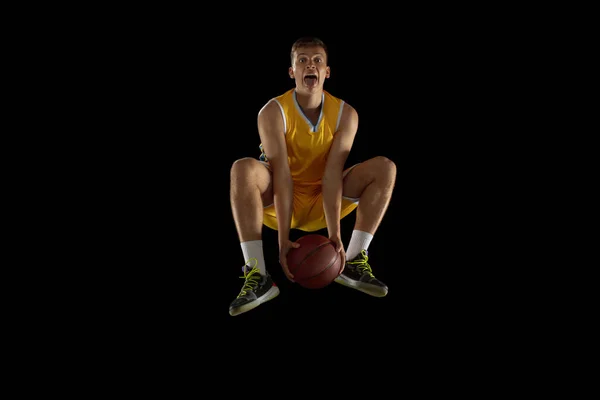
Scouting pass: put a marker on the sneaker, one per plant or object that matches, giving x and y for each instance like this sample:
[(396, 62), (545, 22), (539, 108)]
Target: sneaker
[(358, 275), (257, 289)]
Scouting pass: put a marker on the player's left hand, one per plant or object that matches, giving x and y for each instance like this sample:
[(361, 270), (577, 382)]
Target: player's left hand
[(339, 247)]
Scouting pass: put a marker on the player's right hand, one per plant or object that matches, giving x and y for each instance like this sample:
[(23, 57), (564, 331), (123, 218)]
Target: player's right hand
[(284, 248)]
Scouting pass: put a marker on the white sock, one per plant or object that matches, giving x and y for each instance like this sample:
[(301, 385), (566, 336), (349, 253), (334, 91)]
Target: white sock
[(254, 249), (359, 241)]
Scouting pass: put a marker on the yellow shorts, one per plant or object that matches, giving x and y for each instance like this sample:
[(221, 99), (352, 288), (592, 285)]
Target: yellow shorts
[(307, 213)]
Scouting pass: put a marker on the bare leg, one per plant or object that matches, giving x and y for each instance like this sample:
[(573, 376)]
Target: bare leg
[(373, 183), (250, 188)]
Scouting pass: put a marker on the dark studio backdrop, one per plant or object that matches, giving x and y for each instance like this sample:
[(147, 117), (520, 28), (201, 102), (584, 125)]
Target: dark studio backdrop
[(174, 103), (417, 93)]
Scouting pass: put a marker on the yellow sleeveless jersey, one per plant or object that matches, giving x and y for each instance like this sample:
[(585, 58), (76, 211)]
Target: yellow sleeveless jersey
[(308, 145)]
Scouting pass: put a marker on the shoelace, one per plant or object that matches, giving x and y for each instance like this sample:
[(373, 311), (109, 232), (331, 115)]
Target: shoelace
[(362, 265), (252, 277)]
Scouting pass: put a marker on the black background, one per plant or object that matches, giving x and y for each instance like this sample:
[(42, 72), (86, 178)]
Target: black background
[(182, 108)]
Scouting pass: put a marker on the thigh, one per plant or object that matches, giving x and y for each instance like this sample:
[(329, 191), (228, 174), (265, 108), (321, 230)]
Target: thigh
[(255, 172), (266, 194), (358, 177)]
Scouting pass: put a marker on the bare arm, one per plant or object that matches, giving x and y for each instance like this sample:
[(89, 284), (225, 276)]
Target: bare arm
[(270, 129), (332, 177)]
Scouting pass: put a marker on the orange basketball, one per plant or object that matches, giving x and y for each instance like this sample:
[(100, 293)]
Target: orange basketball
[(315, 264)]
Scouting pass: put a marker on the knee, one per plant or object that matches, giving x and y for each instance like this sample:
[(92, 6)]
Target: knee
[(385, 167), (242, 166)]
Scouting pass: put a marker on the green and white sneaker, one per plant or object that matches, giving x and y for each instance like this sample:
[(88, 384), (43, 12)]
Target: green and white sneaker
[(358, 275), (257, 289)]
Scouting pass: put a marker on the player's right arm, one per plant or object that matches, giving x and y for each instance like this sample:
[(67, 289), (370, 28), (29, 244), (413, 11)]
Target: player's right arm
[(272, 136)]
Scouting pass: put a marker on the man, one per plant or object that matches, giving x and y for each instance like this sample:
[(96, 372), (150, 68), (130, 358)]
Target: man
[(299, 181)]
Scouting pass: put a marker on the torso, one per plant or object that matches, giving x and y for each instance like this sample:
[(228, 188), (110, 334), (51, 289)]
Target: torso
[(309, 135)]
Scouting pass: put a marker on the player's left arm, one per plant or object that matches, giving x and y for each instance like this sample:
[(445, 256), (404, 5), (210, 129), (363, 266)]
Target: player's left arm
[(332, 177)]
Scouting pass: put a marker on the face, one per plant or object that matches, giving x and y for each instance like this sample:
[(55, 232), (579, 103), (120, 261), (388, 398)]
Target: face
[(310, 68)]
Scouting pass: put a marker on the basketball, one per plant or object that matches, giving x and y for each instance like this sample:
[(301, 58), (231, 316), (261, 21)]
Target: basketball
[(315, 264)]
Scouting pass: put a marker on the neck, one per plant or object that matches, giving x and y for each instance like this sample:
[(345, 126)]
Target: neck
[(309, 101)]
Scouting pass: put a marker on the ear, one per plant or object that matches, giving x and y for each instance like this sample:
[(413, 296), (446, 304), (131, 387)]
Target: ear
[(327, 72), (291, 72)]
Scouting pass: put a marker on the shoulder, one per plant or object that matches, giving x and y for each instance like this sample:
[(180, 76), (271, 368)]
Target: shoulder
[(347, 119), (345, 109), (269, 108), (271, 116), (275, 104), (349, 114)]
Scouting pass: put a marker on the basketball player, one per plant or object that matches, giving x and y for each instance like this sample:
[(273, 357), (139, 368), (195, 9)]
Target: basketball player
[(299, 181)]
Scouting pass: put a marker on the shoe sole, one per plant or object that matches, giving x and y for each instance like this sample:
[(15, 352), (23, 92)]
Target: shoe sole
[(375, 291), (270, 295)]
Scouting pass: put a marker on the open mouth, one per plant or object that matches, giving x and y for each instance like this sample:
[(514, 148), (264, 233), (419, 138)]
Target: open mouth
[(310, 80)]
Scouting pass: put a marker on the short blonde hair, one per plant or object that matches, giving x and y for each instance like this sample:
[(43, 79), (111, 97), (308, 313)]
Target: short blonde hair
[(307, 41)]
